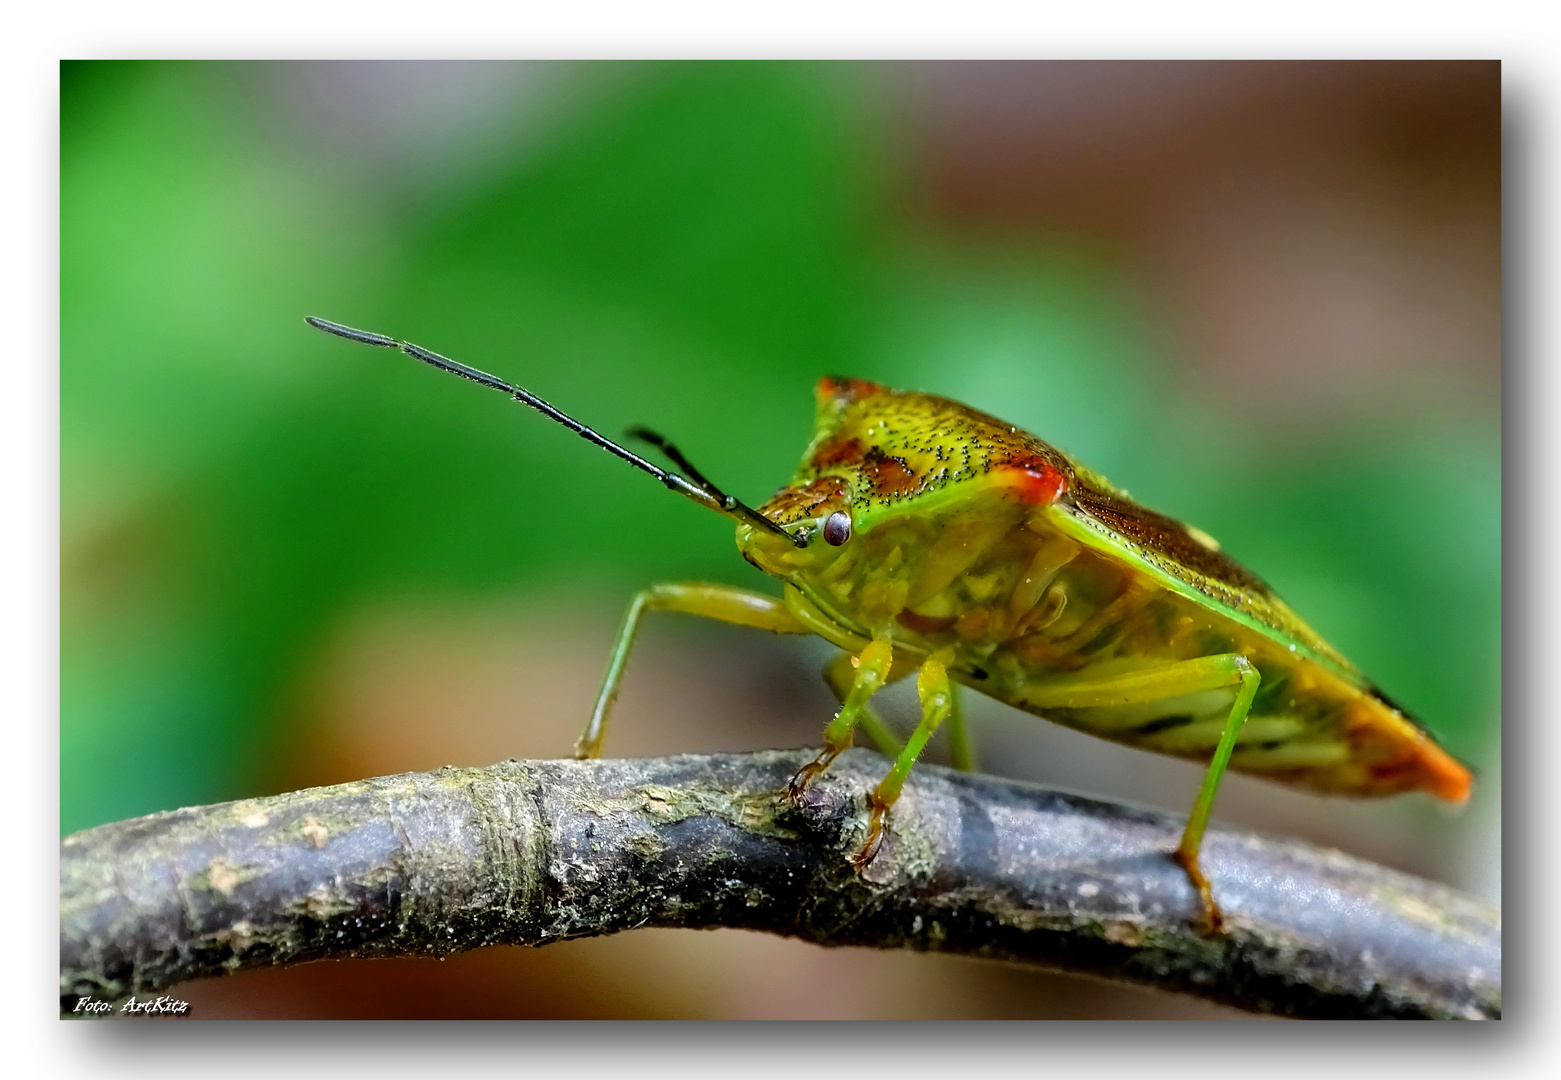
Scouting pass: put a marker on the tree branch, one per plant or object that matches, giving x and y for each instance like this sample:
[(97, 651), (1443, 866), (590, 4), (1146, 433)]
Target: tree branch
[(531, 852)]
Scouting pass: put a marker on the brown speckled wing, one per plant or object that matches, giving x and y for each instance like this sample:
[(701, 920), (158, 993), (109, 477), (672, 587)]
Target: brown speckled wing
[(1170, 547)]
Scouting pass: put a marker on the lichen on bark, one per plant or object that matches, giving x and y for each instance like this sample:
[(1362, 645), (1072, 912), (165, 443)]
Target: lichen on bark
[(530, 852)]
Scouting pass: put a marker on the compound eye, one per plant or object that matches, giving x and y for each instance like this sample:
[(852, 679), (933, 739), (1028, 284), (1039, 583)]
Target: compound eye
[(837, 528)]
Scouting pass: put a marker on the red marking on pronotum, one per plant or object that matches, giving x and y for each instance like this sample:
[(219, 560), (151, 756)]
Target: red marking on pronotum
[(842, 386), (1037, 481)]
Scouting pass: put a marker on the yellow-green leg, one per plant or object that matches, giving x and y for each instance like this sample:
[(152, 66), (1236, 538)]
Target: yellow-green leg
[(711, 601), (839, 674), (1084, 690), (962, 744), (873, 668), (1192, 836), (937, 702)]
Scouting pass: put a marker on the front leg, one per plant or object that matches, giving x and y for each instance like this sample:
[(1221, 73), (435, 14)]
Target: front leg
[(873, 670), (840, 674), (713, 602)]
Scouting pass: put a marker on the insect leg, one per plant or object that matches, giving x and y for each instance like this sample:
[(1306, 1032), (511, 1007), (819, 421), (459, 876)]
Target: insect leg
[(937, 702), (1084, 690), (1192, 837), (839, 674), (713, 602), (873, 669), (962, 744)]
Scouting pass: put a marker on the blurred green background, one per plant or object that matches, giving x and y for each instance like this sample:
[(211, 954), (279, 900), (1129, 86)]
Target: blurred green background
[(1265, 298)]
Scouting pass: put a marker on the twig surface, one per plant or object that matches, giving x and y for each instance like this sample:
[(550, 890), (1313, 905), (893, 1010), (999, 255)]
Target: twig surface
[(531, 852)]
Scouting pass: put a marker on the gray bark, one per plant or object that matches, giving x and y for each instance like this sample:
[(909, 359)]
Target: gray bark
[(531, 852)]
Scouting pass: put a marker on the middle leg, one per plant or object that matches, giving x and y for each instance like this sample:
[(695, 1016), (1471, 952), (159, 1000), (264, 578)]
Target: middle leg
[(937, 703)]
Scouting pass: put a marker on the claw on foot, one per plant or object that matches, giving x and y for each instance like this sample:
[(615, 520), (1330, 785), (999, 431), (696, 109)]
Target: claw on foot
[(870, 847), (804, 776), (1213, 918), (799, 782)]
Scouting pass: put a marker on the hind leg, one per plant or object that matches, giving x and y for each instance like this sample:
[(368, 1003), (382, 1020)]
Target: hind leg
[(1192, 837), (962, 744), (1083, 690)]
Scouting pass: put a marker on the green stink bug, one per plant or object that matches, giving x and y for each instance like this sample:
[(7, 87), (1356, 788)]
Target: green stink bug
[(922, 535)]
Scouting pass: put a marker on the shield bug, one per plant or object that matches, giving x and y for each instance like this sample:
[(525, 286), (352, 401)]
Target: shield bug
[(922, 535)]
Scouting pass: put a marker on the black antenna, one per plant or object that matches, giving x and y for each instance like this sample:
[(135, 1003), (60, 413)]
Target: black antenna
[(674, 455), (701, 490)]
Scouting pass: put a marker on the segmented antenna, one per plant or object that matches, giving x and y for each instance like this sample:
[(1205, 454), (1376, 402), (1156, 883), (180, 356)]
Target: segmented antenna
[(700, 489), (674, 455)]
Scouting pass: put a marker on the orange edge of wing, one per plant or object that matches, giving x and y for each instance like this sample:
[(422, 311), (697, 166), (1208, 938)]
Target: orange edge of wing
[(1445, 776), (1428, 767)]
